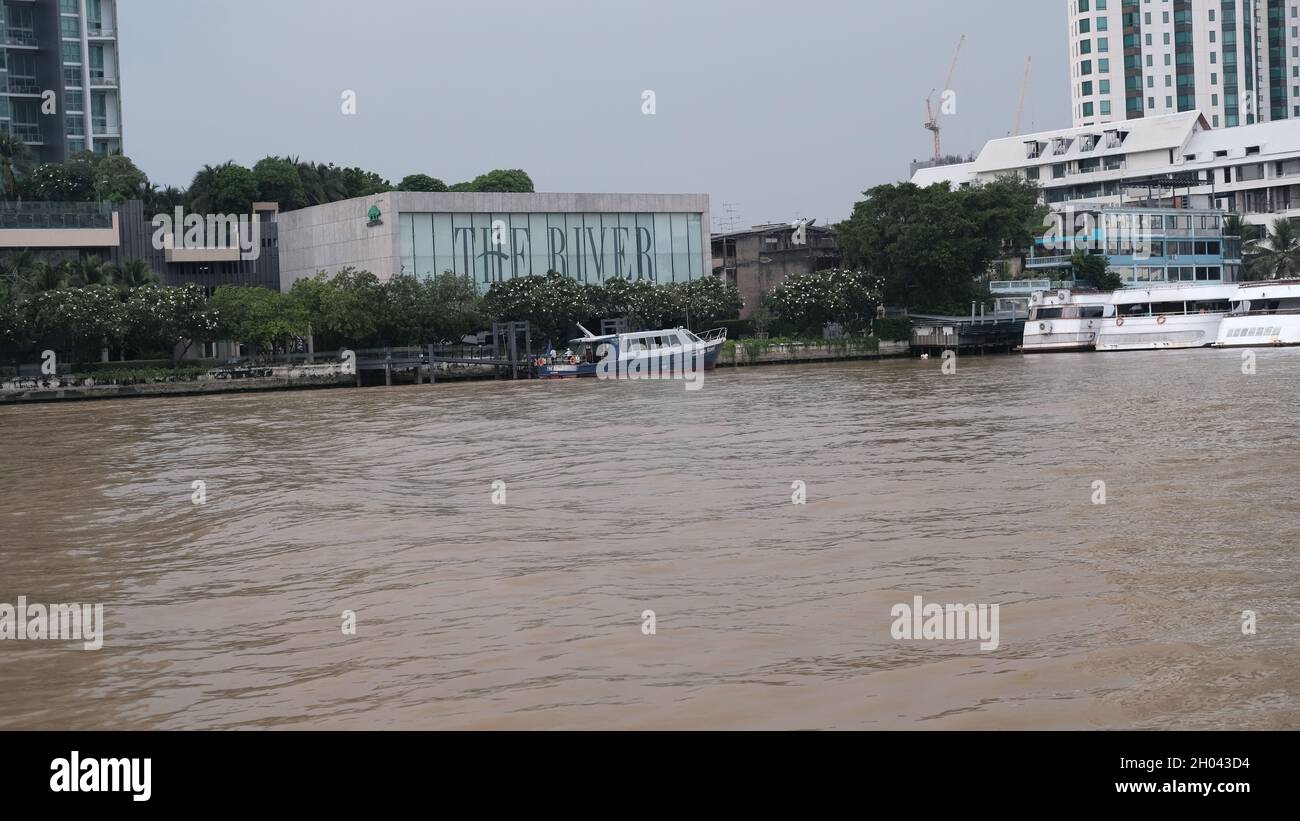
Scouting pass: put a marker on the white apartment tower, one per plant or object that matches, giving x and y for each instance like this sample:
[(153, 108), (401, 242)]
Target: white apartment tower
[(1236, 61)]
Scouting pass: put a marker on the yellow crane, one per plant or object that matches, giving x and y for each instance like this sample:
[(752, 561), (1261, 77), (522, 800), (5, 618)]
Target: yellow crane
[(931, 121), (1024, 89)]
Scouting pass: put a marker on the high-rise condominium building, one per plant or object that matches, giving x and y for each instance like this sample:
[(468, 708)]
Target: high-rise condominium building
[(59, 76), (1237, 61)]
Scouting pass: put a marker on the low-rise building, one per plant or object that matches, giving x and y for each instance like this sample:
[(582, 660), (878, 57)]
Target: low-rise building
[(1251, 170), (760, 258), (592, 238)]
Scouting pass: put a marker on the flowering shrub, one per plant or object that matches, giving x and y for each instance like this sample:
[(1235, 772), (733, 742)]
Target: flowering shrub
[(811, 301)]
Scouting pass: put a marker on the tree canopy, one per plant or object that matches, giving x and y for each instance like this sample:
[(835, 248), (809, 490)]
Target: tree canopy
[(931, 245)]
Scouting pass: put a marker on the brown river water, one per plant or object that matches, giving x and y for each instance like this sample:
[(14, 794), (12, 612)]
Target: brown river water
[(975, 487)]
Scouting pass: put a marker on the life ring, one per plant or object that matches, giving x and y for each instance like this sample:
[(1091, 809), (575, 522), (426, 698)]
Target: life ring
[(1119, 320), (1162, 319)]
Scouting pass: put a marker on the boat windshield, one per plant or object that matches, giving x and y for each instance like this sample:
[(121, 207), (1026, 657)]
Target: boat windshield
[(690, 337)]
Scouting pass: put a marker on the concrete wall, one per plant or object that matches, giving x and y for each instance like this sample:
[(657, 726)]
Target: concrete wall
[(333, 236)]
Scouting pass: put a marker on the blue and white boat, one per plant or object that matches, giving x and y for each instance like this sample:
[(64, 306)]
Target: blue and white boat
[(663, 354)]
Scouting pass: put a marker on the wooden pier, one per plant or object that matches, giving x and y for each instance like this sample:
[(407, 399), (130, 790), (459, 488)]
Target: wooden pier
[(992, 333)]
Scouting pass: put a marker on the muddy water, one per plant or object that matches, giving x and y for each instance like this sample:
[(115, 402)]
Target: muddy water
[(976, 487)]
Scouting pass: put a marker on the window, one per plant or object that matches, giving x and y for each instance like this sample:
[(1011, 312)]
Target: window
[(1103, 44), (1103, 66), (1086, 89), (1105, 108), (1103, 86)]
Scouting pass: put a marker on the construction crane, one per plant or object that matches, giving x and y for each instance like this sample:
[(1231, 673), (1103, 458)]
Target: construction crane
[(931, 121), (1024, 89)]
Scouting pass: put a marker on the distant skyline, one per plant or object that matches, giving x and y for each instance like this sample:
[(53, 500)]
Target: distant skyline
[(786, 110)]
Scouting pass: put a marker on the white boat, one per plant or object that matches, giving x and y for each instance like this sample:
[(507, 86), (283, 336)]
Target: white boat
[(1064, 320), (1165, 316), (1262, 313), (667, 353)]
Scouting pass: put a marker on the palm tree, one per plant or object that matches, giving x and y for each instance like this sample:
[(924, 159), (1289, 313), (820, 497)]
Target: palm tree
[(134, 273), (166, 199), (204, 184), (334, 184), (1276, 255), (89, 270), (42, 276), (16, 164)]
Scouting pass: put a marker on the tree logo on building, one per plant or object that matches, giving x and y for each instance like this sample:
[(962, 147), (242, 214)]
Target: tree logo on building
[(374, 215)]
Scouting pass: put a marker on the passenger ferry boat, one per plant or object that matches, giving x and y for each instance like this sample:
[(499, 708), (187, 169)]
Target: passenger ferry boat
[(1262, 313), (1064, 320), (1164, 316), (663, 354)]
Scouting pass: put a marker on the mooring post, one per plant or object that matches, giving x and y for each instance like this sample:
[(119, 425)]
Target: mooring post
[(432, 378)]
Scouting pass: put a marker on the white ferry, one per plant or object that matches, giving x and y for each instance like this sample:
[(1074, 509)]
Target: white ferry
[(667, 353), (1164, 316), (1064, 320), (1262, 313)]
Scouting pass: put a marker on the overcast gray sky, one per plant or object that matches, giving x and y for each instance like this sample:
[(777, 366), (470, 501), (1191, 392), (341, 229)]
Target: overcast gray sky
[(786, 109)]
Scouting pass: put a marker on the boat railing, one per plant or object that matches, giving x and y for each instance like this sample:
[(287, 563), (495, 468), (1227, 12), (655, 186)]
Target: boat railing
[(715, 335)]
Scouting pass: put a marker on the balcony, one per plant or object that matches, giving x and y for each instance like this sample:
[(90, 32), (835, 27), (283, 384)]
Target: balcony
[(27, 132), (20, 37), (24, 85), (1047, 262), (1019, 286), (102, 82)]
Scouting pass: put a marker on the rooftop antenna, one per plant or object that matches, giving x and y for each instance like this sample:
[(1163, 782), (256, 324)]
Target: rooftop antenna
[(731, 222)]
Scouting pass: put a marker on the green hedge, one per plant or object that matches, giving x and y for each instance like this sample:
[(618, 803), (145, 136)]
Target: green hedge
[(124, 365), (138, 376), (737, 328)]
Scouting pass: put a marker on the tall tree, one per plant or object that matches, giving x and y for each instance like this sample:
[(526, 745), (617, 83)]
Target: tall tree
[(1276, 255), (932, 244), (89, 270), (511, 180), (278, 181), (228, 188), (358, 182), (134, 273), (421, 182), (16, 164)]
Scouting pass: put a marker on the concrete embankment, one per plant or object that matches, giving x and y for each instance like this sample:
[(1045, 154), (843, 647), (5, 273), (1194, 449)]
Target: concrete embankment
[(59, 393), (756, 352)]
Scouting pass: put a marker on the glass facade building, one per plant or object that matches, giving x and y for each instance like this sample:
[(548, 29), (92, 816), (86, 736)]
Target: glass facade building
[(589, 247), (1143, 245), (494, 237)]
